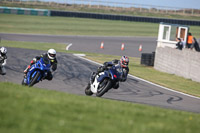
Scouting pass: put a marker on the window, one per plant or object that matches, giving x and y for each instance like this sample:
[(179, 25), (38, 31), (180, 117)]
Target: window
[(166, 33), (182, 33), (174, 31)]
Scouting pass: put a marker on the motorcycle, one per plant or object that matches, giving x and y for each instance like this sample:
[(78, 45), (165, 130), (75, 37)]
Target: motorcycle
[(37, 72), (104, 81)]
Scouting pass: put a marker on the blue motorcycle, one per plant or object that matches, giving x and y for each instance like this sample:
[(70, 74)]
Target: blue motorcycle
[(37, 72), (104, 81)]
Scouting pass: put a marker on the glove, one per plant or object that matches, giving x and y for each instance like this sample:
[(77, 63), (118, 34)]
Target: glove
[(105, 64), (34, 59), (100, 69)]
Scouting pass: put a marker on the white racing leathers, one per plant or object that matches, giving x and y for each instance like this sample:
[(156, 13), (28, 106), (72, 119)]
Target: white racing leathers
[(3, 60)]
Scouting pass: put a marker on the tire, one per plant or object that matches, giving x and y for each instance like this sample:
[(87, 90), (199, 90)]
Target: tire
[(107, 84), (88, 90), (23, 82), (34, 79)]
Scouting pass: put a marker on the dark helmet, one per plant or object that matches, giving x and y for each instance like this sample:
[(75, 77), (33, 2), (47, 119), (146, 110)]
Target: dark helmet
[(124, 61)]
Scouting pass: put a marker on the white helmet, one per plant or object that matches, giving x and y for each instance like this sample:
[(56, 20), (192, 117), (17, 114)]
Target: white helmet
[(51, 54), (3, 50)]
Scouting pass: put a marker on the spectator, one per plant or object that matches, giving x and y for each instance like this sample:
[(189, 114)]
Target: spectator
[(179, 44), (189, 40)]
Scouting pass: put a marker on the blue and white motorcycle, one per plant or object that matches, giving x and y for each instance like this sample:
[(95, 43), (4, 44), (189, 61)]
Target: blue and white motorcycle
[(37, 72), (104, 81)]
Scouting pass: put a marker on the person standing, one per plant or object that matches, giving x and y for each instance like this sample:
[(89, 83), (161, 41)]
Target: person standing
[(189, 41)]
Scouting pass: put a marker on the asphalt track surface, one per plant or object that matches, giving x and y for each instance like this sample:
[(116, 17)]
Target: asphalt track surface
[(73, 74), (112, 45)]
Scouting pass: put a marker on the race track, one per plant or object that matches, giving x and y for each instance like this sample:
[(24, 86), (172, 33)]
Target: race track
[(112, 45), (73, 74)]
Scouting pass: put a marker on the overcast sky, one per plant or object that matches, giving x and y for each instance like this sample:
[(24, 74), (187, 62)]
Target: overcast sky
[(170, 3)]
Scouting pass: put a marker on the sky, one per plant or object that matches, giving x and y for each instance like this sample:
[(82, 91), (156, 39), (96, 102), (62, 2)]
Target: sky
[(170, 3), (167, 3)]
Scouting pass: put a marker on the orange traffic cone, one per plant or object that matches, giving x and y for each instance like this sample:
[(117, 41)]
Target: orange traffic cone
[(140, 48), (122, 47), (102, 45)]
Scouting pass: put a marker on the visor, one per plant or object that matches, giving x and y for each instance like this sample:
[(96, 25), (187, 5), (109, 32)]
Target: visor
[(52, 55)]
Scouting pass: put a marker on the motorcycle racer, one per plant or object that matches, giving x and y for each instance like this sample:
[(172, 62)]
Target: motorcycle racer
[(3, 59), (51, 55), (121, 64)]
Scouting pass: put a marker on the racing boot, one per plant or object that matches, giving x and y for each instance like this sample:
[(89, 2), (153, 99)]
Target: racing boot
[(116, 85)]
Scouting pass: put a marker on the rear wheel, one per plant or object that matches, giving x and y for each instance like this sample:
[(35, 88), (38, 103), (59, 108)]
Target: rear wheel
[(34, 79), (88, 90), (104, 86)]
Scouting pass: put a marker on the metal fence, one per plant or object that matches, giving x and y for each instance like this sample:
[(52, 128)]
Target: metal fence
[(114, 6)]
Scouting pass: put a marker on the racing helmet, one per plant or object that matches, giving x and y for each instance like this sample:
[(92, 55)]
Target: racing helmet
[(124, 61), (3, 51), (51, 54)]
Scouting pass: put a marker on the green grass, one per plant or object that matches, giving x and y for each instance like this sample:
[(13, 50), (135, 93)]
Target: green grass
[(148, 73), (105, 10), (73, 26), (78, 26), (33, 110), (34, 45)]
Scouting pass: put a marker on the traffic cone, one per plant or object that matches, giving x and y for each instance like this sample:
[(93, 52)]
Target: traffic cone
[(102, 45), (140, 48), (122, 47)]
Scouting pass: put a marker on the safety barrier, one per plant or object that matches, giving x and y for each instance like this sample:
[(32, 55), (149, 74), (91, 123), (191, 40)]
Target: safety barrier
[(123, 18), (25, 11), (45, 12), (183, 63)]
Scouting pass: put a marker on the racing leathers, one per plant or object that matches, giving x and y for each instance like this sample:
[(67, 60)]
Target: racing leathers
[(106, 65), (3, 59), (53, 65)]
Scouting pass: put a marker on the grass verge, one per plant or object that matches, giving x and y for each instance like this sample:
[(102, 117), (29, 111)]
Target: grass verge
[(33, 110), (10, 23), (148, 73)]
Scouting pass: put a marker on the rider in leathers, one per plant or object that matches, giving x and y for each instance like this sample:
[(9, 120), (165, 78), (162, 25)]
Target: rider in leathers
[(121, 64), (51, 55), (3, 58)]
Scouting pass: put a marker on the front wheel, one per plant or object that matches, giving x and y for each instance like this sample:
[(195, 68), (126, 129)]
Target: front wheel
[(34, 79), (23, 82), (104, 86), (88, 90)]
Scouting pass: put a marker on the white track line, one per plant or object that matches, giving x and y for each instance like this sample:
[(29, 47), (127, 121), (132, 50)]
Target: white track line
[(68, 46), (143, 80)]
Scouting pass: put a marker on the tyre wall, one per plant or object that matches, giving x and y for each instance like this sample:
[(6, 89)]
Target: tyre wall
[(24, 11), (123, 18)]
